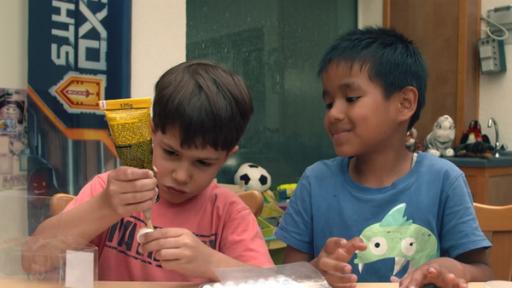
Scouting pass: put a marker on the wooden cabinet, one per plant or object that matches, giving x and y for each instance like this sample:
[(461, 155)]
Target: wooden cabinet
[(490, 185), (446, 32)]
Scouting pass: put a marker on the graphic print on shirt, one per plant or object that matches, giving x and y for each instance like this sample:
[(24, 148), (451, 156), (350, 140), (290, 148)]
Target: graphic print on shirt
[(122, 237), (398, 238)]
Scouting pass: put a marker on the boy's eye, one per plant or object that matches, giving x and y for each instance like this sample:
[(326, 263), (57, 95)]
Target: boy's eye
[(351, 99), (329, 105), (170, 152), (204, 163)]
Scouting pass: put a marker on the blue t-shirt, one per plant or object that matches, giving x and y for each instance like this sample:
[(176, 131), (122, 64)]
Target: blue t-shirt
[(425, 214)]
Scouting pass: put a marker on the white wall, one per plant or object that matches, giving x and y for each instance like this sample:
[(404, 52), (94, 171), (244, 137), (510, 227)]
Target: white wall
[(158, 41), (369, 13), (495, 90), (13, 50), (13, 74)]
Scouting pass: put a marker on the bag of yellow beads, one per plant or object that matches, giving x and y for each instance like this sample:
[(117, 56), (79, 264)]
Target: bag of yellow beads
[(129, 122)]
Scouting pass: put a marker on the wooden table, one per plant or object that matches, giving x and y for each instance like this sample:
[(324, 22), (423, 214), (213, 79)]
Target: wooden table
[(115, 284)]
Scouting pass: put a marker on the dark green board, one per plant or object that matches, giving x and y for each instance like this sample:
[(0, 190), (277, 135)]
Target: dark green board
[(275, 46)]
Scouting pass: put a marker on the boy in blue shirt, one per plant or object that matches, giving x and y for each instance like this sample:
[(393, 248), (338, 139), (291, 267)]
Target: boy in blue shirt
[(379, 212)]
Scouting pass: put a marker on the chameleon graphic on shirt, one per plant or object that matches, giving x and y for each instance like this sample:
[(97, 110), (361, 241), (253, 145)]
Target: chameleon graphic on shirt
[(397, 237)]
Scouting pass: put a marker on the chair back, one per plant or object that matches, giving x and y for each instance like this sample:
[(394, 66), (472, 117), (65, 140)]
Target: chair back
[(496, 222), (58, 202), (253, 199)]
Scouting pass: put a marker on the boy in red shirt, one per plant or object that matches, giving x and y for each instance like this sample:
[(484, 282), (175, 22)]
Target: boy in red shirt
[(200, 111)]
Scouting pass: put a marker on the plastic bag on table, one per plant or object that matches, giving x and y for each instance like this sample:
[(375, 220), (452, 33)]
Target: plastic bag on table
[(300, 274)]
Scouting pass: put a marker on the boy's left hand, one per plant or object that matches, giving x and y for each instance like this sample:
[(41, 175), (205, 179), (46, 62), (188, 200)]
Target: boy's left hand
[(179, 250), (442, 272)]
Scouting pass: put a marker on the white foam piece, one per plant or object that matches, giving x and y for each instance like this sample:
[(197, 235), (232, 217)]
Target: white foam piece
[(142, 232)]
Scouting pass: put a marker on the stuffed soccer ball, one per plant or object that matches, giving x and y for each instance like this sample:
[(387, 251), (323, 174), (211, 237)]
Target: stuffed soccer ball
[(253, 177)]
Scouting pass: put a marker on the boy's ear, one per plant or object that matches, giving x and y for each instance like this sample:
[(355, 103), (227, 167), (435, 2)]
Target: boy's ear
[(407, 102), (234, 150)]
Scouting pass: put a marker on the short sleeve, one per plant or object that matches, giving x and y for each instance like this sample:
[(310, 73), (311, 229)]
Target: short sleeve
[(242, 238), (90, 190), (460, 231), (296, 225)]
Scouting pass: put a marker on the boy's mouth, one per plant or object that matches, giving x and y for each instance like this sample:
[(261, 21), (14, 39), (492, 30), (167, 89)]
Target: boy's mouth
[(339, 134), (174, 190)]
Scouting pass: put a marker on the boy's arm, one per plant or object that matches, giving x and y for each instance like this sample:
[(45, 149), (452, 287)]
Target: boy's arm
[(476, 265), (294, 255), (71, 229), (126, 190)]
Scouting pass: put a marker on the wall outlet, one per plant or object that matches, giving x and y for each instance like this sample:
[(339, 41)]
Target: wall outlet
[(492, 55)]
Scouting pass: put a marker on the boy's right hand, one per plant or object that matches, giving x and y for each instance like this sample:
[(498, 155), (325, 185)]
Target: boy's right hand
[(129, 190), (332, 261)]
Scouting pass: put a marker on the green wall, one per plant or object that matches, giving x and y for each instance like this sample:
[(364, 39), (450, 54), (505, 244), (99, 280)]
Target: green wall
[(275, 46)]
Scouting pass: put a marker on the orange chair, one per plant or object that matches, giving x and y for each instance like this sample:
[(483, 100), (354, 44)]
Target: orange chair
[(496, 221), (253, 199), (58, 202)]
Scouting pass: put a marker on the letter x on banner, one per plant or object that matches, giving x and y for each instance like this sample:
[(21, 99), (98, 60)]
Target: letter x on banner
[(79, 54)]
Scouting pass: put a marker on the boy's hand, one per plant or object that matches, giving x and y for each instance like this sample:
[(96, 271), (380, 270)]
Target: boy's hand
[(443, 272), (129, 190), (332, 261), (180, 250)]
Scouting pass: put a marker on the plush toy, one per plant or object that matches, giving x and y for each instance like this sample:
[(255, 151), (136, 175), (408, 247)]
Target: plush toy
[(474, 134), (473, 143), (439, 141), (251, 176)]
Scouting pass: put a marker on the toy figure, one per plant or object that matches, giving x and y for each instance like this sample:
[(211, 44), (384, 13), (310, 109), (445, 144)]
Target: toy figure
[(410, 142), (474, 134), (473, 143), (439, 141), (11, 111)]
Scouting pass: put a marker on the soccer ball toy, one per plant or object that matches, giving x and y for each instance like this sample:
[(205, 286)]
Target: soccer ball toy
[(252, 177)]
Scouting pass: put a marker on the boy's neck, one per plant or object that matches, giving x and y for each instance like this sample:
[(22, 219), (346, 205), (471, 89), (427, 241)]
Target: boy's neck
[(382, 169)]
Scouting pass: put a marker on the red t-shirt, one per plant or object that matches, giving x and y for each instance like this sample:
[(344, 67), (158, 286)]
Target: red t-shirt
[(216, 216)]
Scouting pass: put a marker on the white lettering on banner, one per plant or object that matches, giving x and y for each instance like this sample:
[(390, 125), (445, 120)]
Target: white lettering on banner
[(85, 44), (63, 46), (66, 51)]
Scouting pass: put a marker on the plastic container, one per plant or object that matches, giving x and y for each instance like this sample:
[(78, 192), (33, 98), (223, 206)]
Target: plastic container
[(12, 266)]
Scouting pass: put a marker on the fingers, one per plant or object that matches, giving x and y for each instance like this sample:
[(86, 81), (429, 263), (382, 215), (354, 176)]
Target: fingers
[(125, 173), (130, 189), (341, 249), (136, 186), (337, 274), (332, 244), (135, 198), (330, 265), (128, 180), (340, 280), (432, 274), (355, 244), (169, 238), (333, 261)]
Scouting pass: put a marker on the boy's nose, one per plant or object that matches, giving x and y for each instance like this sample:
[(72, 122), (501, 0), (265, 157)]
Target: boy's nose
[(181, 175), (337, 112)]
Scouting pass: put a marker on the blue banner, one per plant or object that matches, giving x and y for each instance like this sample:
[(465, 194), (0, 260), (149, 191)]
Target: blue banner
[(79, 54)]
